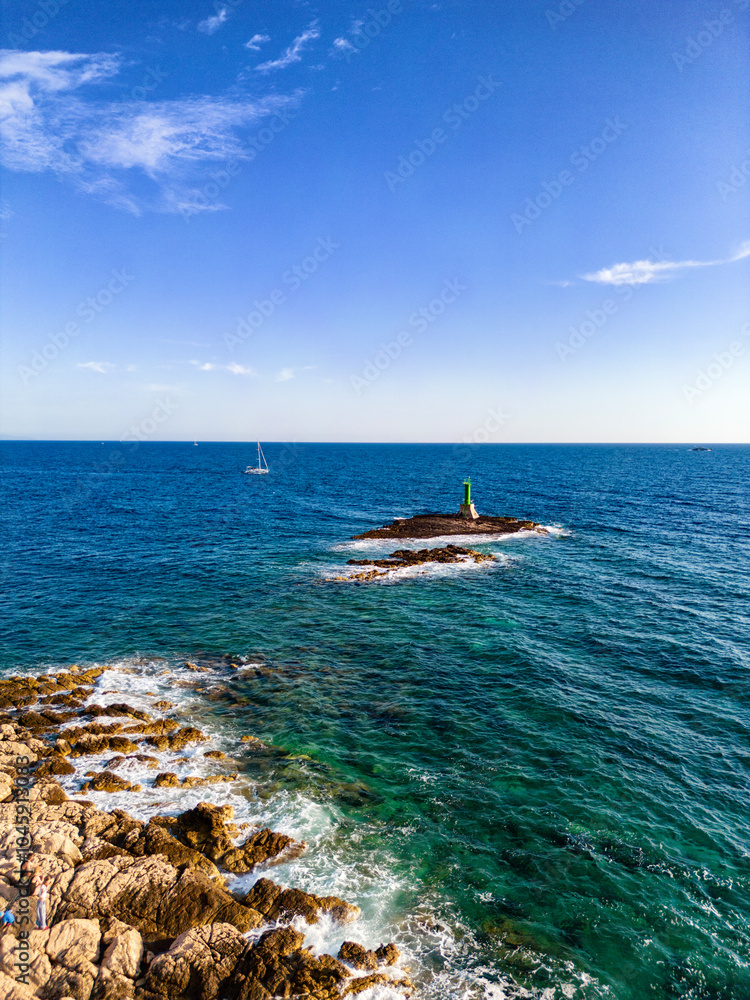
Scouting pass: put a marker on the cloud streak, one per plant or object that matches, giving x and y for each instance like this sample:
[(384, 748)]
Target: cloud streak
[(646, 272), (291, 54), (233, 367), (50, 120), (212, 24), (256, 41)]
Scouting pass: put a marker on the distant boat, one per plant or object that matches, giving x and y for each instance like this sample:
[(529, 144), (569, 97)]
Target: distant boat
[(700, 449), (262, 469), (195, 444)]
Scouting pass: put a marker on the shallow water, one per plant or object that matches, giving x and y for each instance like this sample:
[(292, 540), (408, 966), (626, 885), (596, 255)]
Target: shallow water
[(532, 774)]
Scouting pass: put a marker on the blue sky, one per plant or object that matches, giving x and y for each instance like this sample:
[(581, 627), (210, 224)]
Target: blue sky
[(413, 221)]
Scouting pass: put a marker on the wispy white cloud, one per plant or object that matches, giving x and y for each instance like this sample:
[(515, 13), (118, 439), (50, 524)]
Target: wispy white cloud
[(293, 53), (212, 24), (50, 120), (289, 373), (233, 367), (645, 272), (256, 41), (102, 367), (342, 46)]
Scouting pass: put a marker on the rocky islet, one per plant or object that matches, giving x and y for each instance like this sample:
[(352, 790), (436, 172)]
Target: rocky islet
[(142, 910)]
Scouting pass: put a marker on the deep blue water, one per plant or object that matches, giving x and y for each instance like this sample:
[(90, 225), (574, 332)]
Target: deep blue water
[(552, 751)]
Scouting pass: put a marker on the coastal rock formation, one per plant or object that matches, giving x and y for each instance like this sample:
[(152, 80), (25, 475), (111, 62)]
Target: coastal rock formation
[(276, 903), (433, 525), (209, 830), (403, 558), (140, 910)]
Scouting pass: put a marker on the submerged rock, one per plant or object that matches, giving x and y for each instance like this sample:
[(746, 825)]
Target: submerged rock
[(403, 558)]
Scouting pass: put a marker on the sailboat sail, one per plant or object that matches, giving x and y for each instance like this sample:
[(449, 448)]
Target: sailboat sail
[(262, 467)]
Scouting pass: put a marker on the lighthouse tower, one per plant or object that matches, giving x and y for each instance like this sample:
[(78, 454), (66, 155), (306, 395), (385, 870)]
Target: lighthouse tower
[(467, 509)]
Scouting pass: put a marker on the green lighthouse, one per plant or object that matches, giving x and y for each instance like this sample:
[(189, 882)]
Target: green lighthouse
[(467, 509)]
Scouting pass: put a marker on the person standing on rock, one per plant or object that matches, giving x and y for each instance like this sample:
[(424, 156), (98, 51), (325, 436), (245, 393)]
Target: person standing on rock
[(42, 894)]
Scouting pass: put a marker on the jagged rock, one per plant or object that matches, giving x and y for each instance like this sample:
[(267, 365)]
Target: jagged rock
[(118, 708), (56, 764), (260, 847), (114, 762), (81, 933), (166, 779), (109, 986), (145, 758), (198, 964), (163, 705), (357, 956), (205, 829), (191, 781), (278, 966), (276, 903), (215, 754), (362, 983), (67, 984), (124, 950), (49, 841), (151, 895), (107, 781), (114, 827), (177, 740), (96, 849), (154, 839), (387, 954), (33, 720), (12, 990), (39, 966)]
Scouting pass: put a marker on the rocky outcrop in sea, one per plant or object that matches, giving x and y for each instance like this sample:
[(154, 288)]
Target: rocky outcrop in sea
[(144, 909)]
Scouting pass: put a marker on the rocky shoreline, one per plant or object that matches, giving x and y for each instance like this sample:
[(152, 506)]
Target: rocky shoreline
[(435, 525), (405, 558), (143, 910)]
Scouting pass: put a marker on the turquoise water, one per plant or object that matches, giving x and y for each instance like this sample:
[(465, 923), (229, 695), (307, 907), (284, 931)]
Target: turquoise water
[(544, 759)]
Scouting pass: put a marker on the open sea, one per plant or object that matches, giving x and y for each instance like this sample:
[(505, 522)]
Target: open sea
[(532, 774)]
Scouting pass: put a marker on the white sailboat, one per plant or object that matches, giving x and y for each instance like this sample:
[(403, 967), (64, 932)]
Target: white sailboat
[(262, 469)]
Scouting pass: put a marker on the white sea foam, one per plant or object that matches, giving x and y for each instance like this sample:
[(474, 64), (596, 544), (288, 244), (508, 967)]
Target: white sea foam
[(440, 953)]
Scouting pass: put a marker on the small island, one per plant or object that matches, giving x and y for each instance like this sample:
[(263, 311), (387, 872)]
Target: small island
[(404, 558), (466, 522)]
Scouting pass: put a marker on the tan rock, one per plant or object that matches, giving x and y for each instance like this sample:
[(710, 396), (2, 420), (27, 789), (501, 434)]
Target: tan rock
[(83, 934), (198, 963), (124, 954), (39, 966), (276, 903), (153, 896), (12, 990), (166, 779)]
